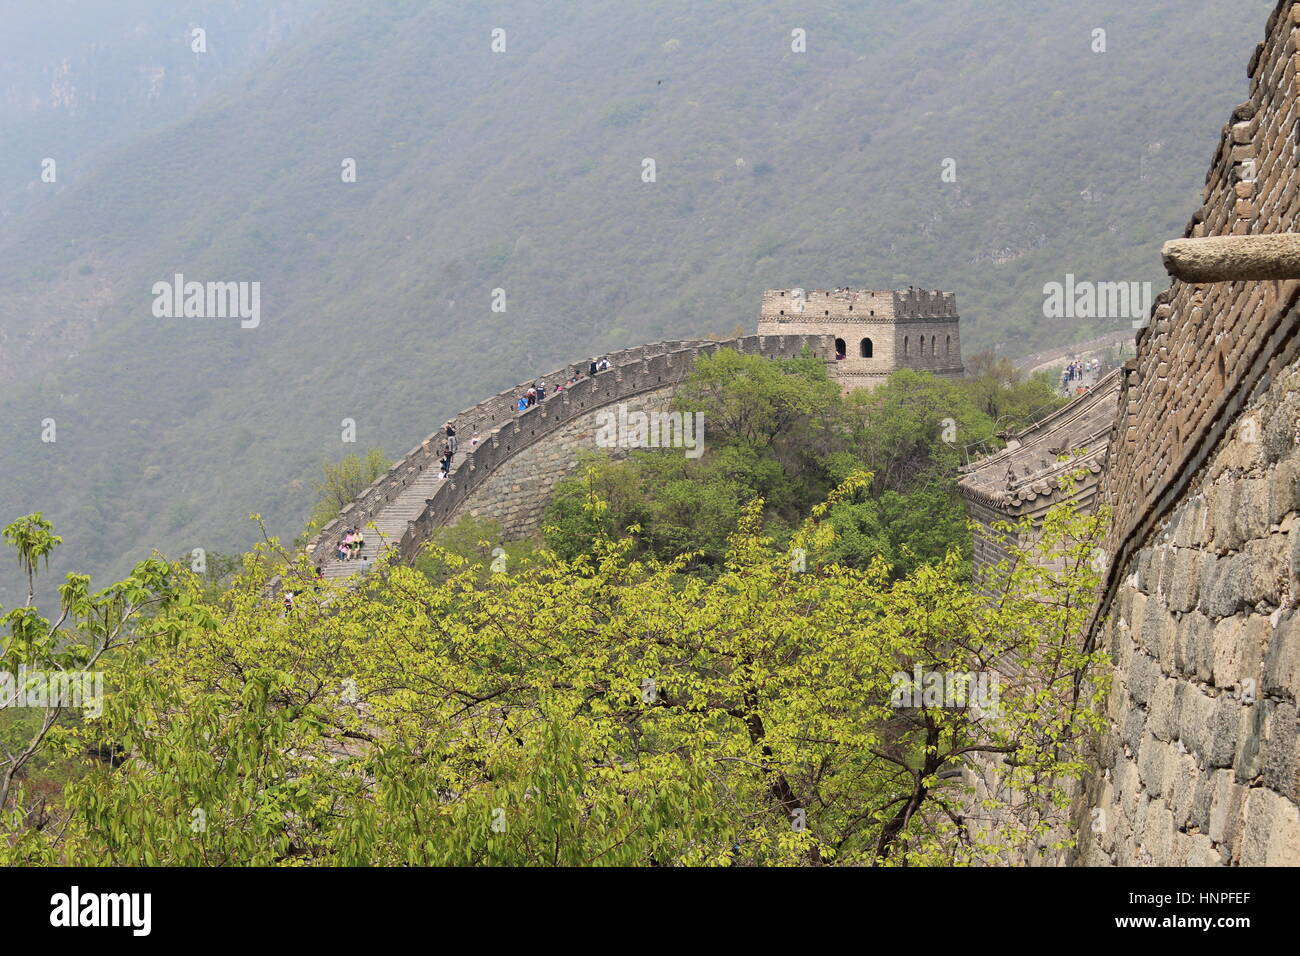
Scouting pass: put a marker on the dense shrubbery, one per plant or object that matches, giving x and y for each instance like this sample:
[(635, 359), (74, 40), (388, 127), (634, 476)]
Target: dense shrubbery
[(781, 431), (699, 666), (599, 710)]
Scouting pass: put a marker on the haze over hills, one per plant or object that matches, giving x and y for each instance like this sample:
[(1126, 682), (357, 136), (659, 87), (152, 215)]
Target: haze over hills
[(522, 170), (79, 80)]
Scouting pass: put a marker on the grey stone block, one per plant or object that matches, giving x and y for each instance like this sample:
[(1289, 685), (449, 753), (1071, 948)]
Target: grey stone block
[(1215, 593), (1147, 632), (1134, 728), (1143, 673), (1181, 775), (1247, 761), (1158, 833), (1202, 852), (1119, 645), (1269, 566), (1184, 581), (1163, 722), (1198, 634), (1282, 659), (1284, 490), (1202, 800), (1145, 575), (1151, 765), (1225, 730), (1242, 581), (1196, 721), (1270, 832), (1229, 638), (1226, 808), (1163, 566), (1253, 508), (1227, 533), (1294, 562), (1277, 763), (1280, 427)]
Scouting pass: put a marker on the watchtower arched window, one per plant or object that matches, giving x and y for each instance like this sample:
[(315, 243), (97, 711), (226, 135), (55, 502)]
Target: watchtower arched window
[(922, 346), (841, 349), (864, 348), (934, 345), (905, 346), (947, 345)]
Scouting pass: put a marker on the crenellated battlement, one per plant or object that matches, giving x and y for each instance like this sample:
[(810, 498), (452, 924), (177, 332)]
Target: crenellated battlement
[(408, 502), (857, 305), (875, 332)]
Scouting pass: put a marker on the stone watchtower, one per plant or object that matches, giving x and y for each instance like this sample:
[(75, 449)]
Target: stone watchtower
[(876, 333)]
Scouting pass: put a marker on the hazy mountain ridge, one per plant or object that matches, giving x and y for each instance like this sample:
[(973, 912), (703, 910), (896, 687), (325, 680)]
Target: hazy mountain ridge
[(78, 79), (78, 83), (521, 171)]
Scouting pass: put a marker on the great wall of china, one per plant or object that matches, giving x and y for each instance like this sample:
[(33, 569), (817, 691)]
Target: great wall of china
[(510, 474), (1194, 447), (1201, 473), (1198, 608), (520, 456)]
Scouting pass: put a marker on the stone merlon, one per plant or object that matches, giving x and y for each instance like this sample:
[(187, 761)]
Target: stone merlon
[(876, 333)]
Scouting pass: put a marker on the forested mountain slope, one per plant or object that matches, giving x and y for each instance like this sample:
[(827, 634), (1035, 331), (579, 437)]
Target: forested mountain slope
[(522, 170)]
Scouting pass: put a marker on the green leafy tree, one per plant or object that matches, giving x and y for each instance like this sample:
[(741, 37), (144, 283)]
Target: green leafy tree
[(341, 483), (601, 710), (781, 431), (1002, 392), (55, 653)]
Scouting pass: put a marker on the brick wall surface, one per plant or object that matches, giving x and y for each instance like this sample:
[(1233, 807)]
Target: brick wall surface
[(1198, 608), (516, 494), (1199, 765)]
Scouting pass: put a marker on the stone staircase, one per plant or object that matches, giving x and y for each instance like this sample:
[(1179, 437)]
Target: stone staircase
[(390, 524)]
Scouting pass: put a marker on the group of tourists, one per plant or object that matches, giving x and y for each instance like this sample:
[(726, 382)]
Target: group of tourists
[(350, 545), (1075, 371), (449, 446), (536, 392)]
